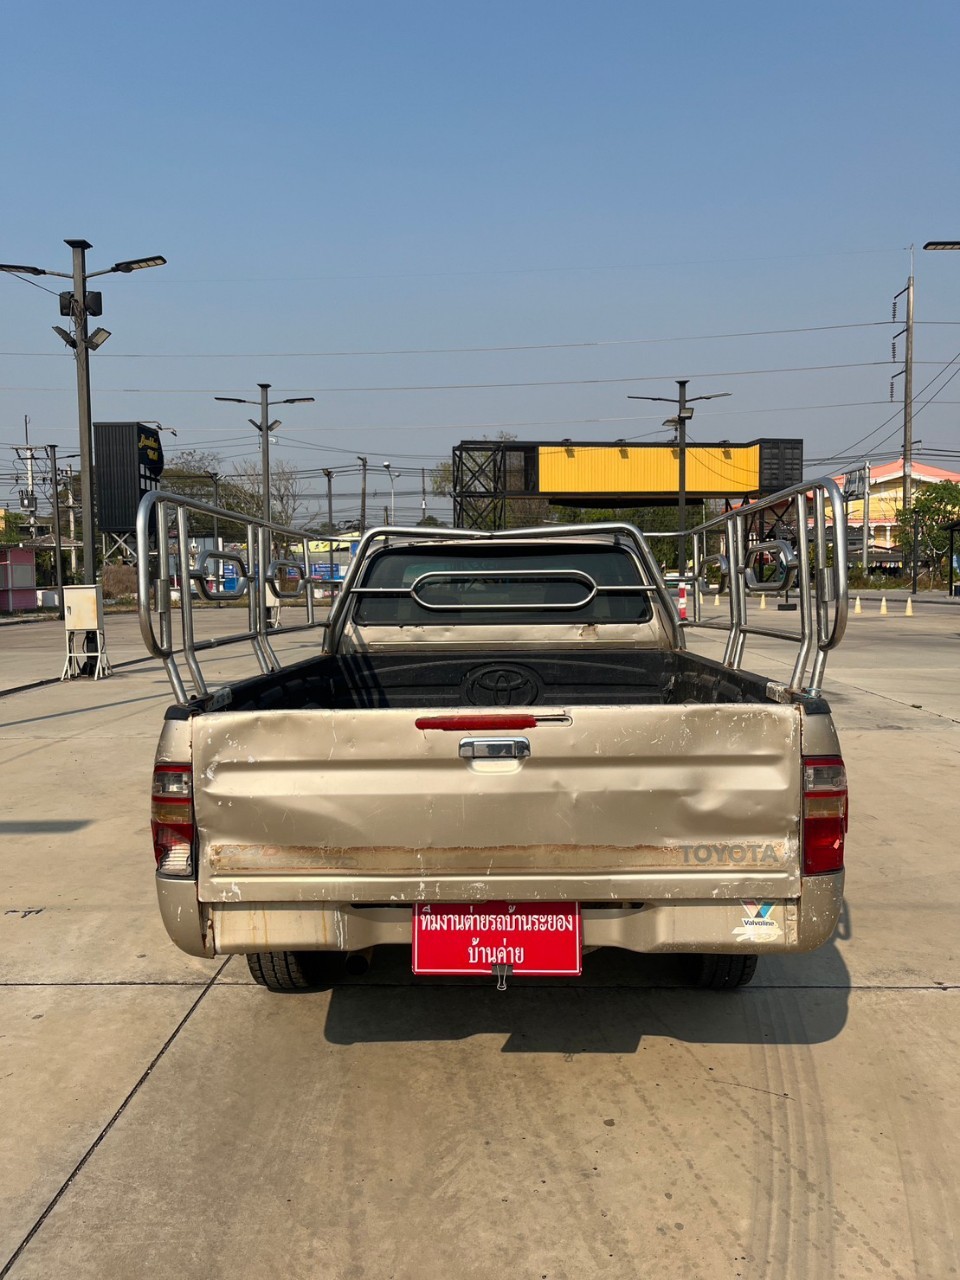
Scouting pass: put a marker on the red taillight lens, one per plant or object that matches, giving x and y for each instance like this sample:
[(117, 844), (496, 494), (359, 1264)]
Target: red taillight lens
[(171, 819), (825, 814)]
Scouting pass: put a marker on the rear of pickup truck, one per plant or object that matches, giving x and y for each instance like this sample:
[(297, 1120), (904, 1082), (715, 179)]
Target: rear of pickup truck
[(667, 820)]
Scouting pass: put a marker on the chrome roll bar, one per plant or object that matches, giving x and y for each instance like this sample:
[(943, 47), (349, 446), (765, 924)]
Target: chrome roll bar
[(163, 553), (813, 561)]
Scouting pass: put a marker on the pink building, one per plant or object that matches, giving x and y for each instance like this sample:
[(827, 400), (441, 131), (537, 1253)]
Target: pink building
[(18, 579)]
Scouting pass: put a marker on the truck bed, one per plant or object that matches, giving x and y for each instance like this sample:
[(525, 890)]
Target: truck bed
[(506, 679)]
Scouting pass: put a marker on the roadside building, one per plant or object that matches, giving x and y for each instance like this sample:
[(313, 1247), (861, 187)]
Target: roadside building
[(885, 497)]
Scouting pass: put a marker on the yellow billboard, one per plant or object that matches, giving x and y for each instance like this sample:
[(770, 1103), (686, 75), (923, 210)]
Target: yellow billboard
[(648, 469)]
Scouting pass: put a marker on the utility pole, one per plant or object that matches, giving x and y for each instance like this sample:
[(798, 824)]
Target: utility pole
[(58, 552), (329, 474), (214, 478), (265, 426), (907, 333), (866, 517), (423, 494), (679, 424), (28, 496), (71, 521), (363, 493)]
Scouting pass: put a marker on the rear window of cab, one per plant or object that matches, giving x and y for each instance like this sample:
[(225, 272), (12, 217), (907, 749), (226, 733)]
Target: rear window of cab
[(505, 585)]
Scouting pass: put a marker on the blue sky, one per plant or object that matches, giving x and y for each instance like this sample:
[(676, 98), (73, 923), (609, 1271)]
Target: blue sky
[(370, 176)]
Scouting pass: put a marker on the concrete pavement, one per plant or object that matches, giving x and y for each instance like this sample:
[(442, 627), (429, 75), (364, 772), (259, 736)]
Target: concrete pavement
[(165, 1117)]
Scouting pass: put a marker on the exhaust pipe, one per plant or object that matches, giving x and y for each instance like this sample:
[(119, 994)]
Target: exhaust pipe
[(358, 962)]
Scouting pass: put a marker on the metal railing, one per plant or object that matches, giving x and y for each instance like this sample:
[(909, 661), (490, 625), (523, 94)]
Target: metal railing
[(812, 560), (264, 579)]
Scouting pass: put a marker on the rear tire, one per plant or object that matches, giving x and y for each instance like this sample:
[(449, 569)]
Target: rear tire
[(724, 972), (288, 971)]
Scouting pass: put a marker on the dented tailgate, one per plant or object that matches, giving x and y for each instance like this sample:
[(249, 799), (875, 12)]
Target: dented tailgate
[(611, 803)]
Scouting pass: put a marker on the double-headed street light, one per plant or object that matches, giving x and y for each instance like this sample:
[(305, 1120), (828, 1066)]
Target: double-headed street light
[(77, 306), (265, 426), (679, 424)]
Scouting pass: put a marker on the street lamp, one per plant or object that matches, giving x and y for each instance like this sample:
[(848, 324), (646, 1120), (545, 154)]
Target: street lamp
[(363, 492), (679, 424), (393, 496), (265, 426), (78, 305)]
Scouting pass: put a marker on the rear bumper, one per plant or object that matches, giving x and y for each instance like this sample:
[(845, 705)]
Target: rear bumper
[(685, 923)]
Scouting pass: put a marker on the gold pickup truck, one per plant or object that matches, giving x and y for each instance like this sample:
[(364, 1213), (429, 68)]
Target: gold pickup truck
[(503, 754)]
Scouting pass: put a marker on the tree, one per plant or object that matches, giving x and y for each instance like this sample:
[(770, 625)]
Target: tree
[(10, 528), (191, 471), (286, 491), (655, 522), (934, 505)]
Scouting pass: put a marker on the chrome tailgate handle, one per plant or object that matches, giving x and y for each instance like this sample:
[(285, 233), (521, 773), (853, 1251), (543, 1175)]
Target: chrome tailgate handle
[(494, 748)]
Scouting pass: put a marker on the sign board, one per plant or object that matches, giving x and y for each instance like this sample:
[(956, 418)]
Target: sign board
[(128, 462), (854, 484)]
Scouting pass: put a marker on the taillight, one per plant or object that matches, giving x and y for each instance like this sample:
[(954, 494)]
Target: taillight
[(825, 814), (171, 819)]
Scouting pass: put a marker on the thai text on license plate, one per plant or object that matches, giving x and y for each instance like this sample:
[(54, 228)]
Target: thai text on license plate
[(533, 938)]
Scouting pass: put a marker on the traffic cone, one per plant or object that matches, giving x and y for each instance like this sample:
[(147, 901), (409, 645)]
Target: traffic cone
[(716, 600), (857, 606), (908, 611), (763, 602), (883, 604), (682, 602)]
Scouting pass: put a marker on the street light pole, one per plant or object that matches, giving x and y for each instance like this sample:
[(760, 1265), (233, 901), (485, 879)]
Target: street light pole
[(393, 506), (679, 424), (363, 493), (77, 305), (329, 474), (265, 426), (87, 499)]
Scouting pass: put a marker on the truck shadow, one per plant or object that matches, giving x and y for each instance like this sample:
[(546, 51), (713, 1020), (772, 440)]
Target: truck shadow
[(620, 1000)]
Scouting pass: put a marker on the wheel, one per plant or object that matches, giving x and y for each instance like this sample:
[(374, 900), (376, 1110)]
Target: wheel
[(286, 971), (723, 973)]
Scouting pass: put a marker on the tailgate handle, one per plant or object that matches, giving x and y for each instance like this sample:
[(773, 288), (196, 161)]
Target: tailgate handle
[(494, 748)]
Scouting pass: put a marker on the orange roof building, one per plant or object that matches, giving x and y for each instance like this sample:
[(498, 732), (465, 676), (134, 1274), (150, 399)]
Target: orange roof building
[(886, 495)]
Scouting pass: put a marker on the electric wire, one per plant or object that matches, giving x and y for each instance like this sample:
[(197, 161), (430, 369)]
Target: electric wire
[(435, 351)]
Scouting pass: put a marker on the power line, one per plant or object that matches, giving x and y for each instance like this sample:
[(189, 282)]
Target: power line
[(440, 351), (489, 386), (887, 421), (27, 280)]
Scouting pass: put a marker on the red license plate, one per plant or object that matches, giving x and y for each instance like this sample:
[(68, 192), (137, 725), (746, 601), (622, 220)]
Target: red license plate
[(533, 938)]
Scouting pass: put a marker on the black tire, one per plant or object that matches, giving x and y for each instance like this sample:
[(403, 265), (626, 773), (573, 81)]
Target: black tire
[(287, 971), (723, 973)]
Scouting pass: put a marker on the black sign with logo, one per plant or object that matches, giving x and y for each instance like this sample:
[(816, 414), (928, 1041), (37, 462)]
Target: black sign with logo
[(128, 462)]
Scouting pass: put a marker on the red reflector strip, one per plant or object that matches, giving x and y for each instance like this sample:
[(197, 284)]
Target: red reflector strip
[(456, 723)]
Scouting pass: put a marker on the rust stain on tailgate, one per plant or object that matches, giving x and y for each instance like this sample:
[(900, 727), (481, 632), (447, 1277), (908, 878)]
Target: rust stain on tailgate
[(275, 859)]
